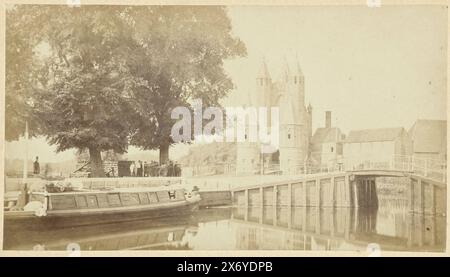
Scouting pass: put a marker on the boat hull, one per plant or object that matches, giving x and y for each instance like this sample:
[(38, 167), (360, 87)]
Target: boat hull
[(64, 219)]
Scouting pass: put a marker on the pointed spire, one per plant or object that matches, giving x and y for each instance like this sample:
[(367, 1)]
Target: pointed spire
[(298, 69), (263, 71), (285, 71)]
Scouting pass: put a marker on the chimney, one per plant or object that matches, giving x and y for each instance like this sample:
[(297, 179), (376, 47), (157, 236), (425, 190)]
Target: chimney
[(328, 119)]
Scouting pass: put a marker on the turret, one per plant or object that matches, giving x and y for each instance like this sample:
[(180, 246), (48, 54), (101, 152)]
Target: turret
[(298, 80), (286, 73), (263, 77), (263, 86)]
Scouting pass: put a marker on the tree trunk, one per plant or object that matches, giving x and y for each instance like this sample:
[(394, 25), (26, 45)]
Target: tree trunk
[(95, 158), (163, 154)]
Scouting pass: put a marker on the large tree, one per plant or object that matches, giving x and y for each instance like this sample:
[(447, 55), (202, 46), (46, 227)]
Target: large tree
[(101, 77), (20, 77), (181, 55), (82, 98)]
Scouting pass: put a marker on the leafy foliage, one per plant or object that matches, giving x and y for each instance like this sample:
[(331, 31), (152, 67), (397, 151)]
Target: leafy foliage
[(102, 77)]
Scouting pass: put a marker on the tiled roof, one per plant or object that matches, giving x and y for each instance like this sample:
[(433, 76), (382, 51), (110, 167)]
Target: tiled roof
[(325, 135), (429, 136), (384, 134)]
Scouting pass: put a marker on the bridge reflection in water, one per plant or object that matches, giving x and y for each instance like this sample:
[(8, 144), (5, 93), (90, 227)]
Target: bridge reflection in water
[(308, 228), (254, 228)]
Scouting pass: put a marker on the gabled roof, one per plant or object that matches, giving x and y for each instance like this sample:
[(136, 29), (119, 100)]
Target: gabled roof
[(429, 136), (323, 135), (371, 135)]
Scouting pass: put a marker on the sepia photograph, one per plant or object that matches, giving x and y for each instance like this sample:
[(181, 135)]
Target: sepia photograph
[(225, 127)]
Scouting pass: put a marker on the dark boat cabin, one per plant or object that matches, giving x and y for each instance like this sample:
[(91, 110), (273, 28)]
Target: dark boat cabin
[(108, 199)]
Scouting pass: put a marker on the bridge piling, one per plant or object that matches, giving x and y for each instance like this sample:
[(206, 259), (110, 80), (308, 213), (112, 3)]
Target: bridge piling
[(318, 200), (333, 192), (342, 189)]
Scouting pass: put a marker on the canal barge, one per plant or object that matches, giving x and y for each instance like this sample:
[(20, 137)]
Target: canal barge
[(85, 207)]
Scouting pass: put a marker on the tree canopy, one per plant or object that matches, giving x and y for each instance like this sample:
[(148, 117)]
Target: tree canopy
[(104, 77)]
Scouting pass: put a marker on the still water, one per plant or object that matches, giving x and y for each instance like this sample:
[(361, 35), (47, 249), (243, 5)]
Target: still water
[(390, 226)]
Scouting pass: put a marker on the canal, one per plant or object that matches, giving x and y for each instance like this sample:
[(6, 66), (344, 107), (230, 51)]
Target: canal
[(391, 226)]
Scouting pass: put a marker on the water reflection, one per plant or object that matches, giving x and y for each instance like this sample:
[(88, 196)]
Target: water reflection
[(239, 228), (337, 229)]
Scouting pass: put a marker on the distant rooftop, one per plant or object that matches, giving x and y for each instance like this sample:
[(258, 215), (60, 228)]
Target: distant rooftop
[(371, 135), (429, 136), (323, 135)]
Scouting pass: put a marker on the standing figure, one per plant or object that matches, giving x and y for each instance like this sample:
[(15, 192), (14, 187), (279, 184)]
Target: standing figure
[(36, 167), (139, 168), (132, 169)]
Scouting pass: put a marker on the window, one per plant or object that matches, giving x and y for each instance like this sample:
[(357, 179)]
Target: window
[(295, 80), (332, 149), (261, 81), (289, 136), (245, 136)]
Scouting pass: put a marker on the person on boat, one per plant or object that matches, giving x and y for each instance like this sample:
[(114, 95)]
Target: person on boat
[(132, 169), (36, 167)]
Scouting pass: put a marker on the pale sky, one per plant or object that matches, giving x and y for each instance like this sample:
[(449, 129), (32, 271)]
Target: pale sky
[(372, 67)]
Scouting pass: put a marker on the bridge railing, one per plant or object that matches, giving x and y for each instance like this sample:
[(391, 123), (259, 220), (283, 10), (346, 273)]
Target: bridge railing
[(430, 168)]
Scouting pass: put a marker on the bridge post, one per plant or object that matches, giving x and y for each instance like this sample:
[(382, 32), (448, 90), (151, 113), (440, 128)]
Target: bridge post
[(432, 198), (318, 220), (274, 204), (289, 206), (261, 204), (304, 219), (355, 193), (305, 197), (318, 193), (411, 195), (289, 194), (421, 197), (332, 223), (261, 196), (348, 192), (374, 194), (333, 192), (246, 197), (347, 224), (246, 213)]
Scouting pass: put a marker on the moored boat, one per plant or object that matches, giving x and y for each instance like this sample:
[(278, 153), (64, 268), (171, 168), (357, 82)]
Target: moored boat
[(84, 207)]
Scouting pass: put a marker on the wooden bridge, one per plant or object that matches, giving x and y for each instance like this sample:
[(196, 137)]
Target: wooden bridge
[(354, 187)]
